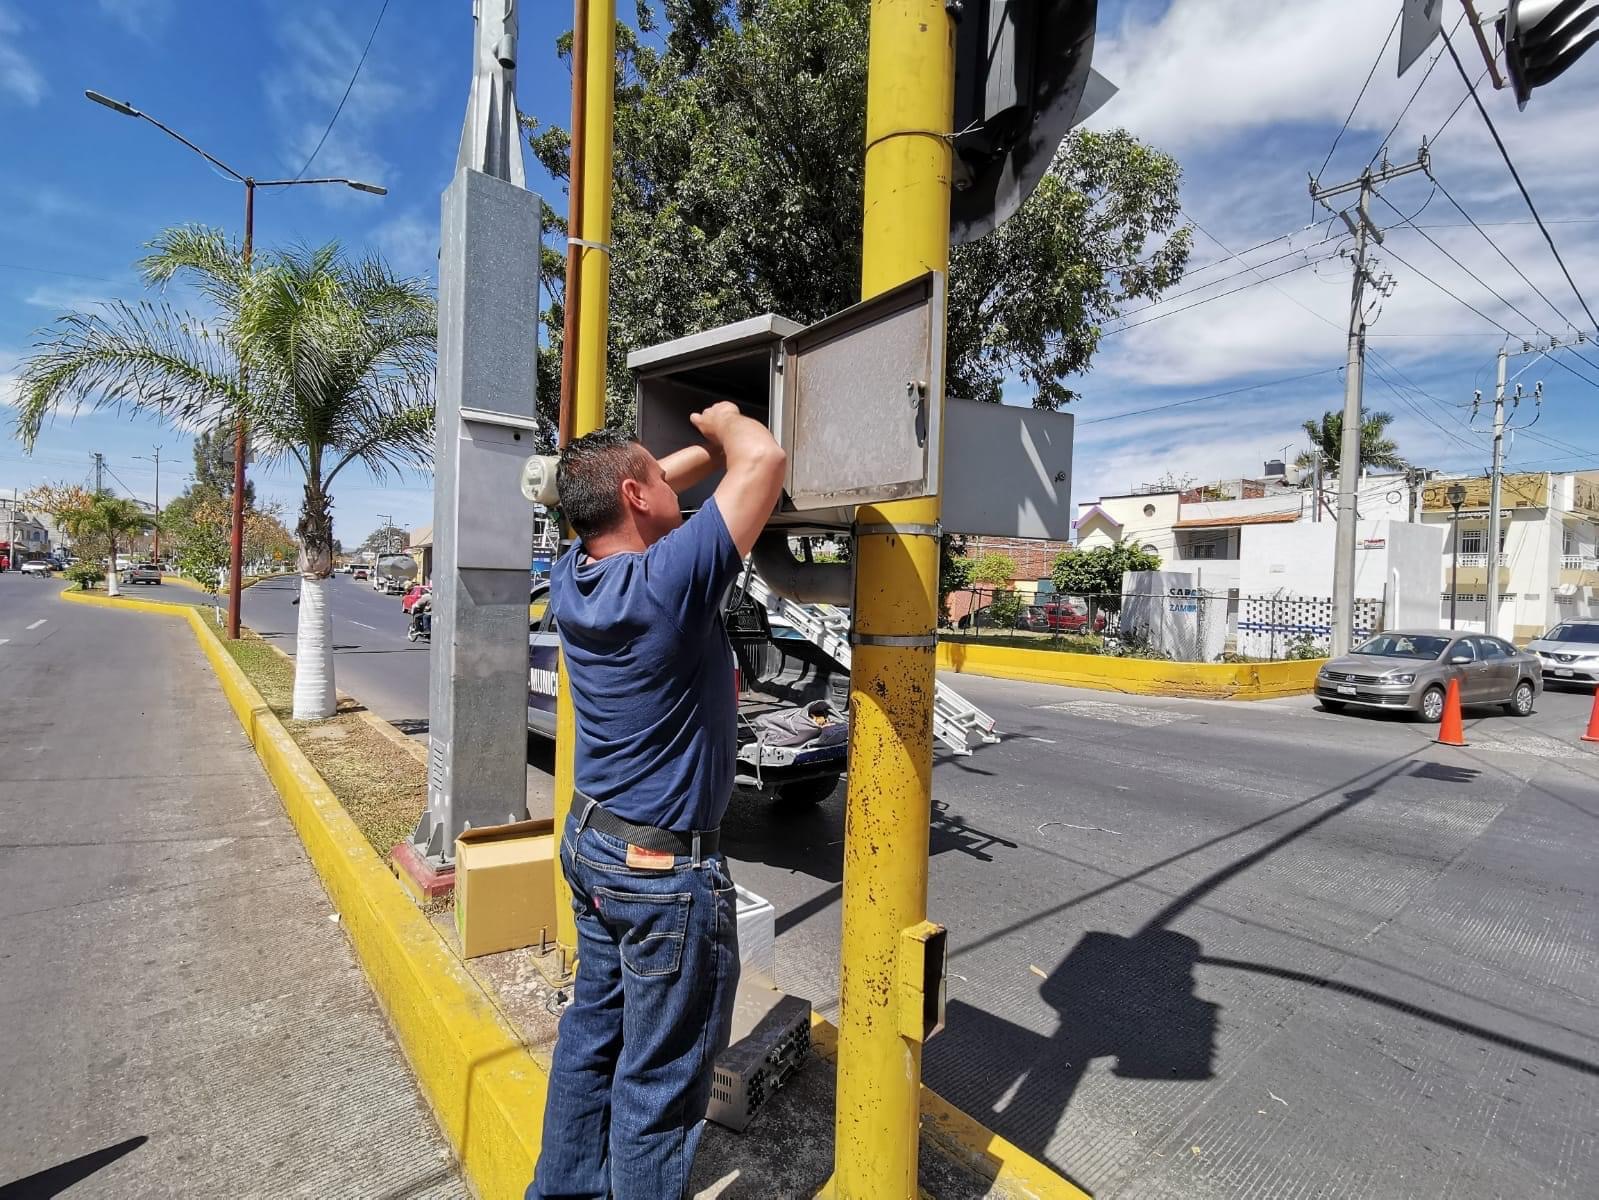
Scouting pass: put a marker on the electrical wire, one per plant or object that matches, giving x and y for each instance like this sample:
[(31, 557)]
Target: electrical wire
[(1394, 128), (1200, 287), (1360, 95), (1212, 396), (1516, 175), (354, 75)]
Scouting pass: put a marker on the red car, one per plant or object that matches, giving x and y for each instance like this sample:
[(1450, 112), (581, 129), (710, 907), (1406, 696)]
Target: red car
[(416, 592), (1065, 617)]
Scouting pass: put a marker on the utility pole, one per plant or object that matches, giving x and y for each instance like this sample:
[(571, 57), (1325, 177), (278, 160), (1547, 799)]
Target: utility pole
[(99, 472), (1315, 475), (1496, 472), (1343, 619), (155, 551)]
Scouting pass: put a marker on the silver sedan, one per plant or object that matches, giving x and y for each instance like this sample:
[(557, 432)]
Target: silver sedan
[(1569, 652), (1410, 670)]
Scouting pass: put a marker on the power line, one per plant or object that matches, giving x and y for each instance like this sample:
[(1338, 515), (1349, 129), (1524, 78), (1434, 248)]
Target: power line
[(11, 266), (1479, 280), (347, 90), (1218, 296), (1200, 287), (1395, 127), (1516, 175), (1360, 95), (1213, 396)]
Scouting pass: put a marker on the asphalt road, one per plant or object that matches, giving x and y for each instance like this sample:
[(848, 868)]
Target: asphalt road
[(373, 662), (180, 1017), (1213, 949)]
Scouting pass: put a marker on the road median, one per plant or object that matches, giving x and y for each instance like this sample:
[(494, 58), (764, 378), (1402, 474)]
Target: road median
[(1139, 676)]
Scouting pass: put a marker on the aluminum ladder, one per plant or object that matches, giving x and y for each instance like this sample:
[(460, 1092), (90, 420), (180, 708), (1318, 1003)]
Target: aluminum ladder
[(957, 722)]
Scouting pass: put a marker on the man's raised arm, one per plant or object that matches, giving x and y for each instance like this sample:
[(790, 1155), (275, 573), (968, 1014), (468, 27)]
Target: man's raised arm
[(755, 465)]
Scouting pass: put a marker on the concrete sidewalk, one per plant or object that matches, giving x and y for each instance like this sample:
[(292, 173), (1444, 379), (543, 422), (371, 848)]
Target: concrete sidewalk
[(182, 1016)]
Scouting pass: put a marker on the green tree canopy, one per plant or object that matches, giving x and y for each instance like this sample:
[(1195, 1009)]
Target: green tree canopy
[(1098, 571), (1377, 449), (993, 568), (738, 190)]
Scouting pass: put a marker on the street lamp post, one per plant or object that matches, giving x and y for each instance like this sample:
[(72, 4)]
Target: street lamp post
[(155, 550), (1457, 497), (241, 433)]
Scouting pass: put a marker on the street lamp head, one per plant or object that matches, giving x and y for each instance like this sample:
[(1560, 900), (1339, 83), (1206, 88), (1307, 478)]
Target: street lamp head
[(1457, 496), (370, 188), (126, 110)]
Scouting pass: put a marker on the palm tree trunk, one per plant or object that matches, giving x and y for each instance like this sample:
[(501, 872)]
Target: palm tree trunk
[(315, 696), (111, 570)]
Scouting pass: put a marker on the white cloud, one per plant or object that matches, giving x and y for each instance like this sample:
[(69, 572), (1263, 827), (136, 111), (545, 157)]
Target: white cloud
[(65, 297), (410, 244), (142, 17), (318, 55), (18, 76)]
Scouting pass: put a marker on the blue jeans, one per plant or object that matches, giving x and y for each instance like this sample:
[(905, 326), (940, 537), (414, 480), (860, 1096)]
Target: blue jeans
[(652, 1007)]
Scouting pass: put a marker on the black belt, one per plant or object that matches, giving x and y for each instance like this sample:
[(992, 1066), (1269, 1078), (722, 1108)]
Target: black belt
[(646, 837)]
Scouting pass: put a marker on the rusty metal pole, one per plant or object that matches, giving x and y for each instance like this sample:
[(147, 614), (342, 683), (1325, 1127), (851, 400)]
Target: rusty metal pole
[(240, 442)]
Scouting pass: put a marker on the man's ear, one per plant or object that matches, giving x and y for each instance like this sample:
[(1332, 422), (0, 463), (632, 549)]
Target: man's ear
[(633, 495)]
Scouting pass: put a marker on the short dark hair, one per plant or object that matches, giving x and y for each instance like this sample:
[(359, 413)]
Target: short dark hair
[(589, 479)]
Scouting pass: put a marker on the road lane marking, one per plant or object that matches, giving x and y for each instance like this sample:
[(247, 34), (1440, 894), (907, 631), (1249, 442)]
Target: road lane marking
[(3, 641), (364, 625), (1123, 714), (38, 623)]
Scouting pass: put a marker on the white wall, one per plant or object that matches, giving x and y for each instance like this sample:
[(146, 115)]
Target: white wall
[(1297, 560)]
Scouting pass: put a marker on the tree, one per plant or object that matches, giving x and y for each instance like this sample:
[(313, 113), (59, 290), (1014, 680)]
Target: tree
[(1098, 571), (386, 539), (199, 524), (339, 353), (57, 500), (112, 518), (267, 538), (213, 464), (1377, 449), (993, 568), (739, 190)]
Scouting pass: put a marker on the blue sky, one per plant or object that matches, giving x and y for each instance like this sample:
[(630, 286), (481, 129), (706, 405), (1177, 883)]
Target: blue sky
[(1248, 102)]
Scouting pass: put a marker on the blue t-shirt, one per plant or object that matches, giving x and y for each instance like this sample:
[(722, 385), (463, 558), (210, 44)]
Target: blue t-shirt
[(652, 674)]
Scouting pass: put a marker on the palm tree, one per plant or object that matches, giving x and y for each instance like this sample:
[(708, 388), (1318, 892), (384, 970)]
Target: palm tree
[(1327, 436), (109, 517), (338, 358)]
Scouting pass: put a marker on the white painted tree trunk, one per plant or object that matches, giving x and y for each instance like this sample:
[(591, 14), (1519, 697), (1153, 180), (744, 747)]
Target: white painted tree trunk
[(314, 695), (111, 581)]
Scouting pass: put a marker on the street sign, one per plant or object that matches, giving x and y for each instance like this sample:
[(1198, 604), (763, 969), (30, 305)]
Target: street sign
[(1420, 23)]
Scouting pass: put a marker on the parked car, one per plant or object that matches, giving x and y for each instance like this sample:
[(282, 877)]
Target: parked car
[(358, 573), (772, 673), (1410, 670), (415, 593), (1569, 652), (38, 568), (146, 572)]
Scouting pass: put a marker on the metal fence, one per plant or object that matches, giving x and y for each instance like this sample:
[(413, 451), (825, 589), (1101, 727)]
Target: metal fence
[(1185, 624)]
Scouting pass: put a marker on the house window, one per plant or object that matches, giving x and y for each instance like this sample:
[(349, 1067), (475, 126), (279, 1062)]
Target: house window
[(1471, 541), (1149, 510), (1150, 548)]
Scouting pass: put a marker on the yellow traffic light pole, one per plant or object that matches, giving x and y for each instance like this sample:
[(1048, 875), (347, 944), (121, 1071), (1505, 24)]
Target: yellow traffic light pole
[(909, 116), (589, 241)]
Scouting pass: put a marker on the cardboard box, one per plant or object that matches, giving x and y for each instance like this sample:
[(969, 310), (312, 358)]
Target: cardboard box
[(505, 887)]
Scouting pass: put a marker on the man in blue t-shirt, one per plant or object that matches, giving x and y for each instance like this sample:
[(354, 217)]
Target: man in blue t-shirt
[(637, 602)]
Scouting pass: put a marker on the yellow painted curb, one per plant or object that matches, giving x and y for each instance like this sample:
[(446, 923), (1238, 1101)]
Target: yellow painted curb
[(1142, 676), (485, 1087)]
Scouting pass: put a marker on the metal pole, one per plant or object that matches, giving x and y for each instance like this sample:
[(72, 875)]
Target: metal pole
[(574, 222), (1491, 617), (1315, 469), (1349, 453), (240, 442), (1454, 566), (909, 113), (593, 100), (156, 552)]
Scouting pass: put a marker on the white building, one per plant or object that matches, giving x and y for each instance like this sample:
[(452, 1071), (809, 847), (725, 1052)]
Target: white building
[(1548, 549)]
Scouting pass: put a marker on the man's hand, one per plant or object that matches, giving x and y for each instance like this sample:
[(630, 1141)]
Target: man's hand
[(755, 467), (714, 422)]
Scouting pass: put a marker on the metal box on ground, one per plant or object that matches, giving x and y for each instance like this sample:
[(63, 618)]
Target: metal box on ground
[(757, 937), (771, 1040)]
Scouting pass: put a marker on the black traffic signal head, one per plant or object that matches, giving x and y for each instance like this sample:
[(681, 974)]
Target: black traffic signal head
[(1021, 67), (1544, 37)]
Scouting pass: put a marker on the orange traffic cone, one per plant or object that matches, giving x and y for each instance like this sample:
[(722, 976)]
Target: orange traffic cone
[(1450, 731), (1593, 720)]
